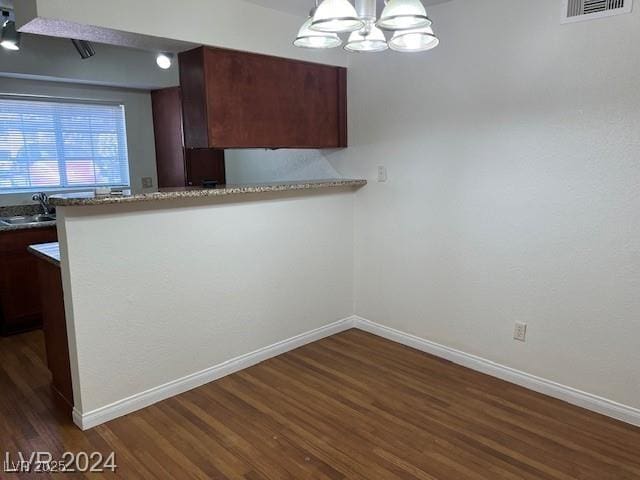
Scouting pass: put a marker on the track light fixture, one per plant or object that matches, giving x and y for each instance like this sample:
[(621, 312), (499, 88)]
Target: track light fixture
[(9, 37), (84, 48)]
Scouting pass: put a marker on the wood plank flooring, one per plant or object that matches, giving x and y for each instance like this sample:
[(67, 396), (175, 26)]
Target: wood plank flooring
[(352, 406)]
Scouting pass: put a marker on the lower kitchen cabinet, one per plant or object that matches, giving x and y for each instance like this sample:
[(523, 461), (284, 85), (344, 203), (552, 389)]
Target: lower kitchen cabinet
[(55, 333), (20, 306)]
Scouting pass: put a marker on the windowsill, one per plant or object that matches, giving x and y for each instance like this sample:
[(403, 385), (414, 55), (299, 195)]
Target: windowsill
[(23, 197), (54, 190)]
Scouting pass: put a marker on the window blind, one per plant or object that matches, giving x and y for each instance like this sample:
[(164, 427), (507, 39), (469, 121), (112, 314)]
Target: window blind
[(47, 144)]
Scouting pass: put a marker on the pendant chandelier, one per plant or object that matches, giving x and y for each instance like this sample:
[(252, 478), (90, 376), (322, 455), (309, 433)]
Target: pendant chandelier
[(407, 20)]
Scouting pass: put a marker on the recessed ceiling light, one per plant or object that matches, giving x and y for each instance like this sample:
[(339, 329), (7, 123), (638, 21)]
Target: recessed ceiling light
[(164, 60)]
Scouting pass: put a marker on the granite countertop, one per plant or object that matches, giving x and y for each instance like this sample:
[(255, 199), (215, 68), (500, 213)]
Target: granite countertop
[(47, 251), (20, 210), (10, 228), (89, 198)]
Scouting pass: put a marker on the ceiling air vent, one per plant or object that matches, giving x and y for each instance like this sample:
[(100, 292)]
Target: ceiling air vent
[(580, 10)]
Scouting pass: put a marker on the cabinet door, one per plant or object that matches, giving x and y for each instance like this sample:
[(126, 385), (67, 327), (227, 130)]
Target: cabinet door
[(55, 331), (19, 284), (260, 101), (20, 293), (205, 165), (167, 127)]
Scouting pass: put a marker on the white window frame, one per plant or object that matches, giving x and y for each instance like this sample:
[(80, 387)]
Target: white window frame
[(71, 100)]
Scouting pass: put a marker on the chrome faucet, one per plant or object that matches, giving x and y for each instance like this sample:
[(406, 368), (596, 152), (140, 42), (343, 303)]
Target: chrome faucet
[(44, 202)]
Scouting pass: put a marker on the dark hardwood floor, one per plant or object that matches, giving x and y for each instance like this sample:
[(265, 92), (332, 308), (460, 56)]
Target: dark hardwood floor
[(351, 406)]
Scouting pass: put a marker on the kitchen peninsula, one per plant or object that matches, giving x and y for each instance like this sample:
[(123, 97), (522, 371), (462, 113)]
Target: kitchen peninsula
[(90, 198), (166, 291)]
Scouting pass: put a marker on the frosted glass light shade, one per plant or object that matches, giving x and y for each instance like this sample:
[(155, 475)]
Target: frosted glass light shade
[(415, 40), (308, 38), (336, 16), (361, 41), (403, 15)]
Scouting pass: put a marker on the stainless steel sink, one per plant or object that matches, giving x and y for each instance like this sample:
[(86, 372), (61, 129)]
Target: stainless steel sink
[(27, 219)]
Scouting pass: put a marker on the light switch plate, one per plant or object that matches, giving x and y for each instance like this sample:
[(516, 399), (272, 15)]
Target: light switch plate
[(147, 182)]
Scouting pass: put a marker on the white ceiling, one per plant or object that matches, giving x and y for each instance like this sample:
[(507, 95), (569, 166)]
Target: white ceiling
[(302, 7)]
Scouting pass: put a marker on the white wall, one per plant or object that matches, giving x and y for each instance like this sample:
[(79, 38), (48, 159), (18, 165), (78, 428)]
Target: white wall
[(232, 24), (513, 153), (260, 165), (139, 120), (51, 58), (158, 291)]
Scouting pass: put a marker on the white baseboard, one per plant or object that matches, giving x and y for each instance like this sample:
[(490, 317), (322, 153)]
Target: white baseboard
[(144, 399), (568, 394), (562, 392)]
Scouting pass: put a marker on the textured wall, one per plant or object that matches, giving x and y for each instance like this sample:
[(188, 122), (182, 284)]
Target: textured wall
[(513, 153), (51, 58), (259, 165), (222, 23), (158, 291)]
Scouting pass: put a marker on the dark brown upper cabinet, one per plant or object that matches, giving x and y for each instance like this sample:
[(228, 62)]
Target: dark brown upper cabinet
[(234, 99), (179, 166)]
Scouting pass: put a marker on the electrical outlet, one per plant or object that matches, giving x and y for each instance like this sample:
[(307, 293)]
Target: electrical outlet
[(147, 182), (520, 331), (382, 174)]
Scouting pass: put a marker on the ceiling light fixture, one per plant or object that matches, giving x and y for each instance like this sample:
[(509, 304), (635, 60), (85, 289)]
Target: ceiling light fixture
[(84, 48), (336, 16), (406, 18), (415, 40), (308, 38), (164, 60), (403, 14), (369, 39), (10, 37)]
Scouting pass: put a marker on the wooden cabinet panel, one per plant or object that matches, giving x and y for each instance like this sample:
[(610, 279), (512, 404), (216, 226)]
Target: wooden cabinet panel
[(20, 293), (20, 307), (55, 332), (177, 166), (167, 124), (205, 165), (243, 100), (194, 110)]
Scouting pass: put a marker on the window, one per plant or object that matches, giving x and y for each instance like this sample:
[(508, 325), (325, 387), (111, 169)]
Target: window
[(51, 144)]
